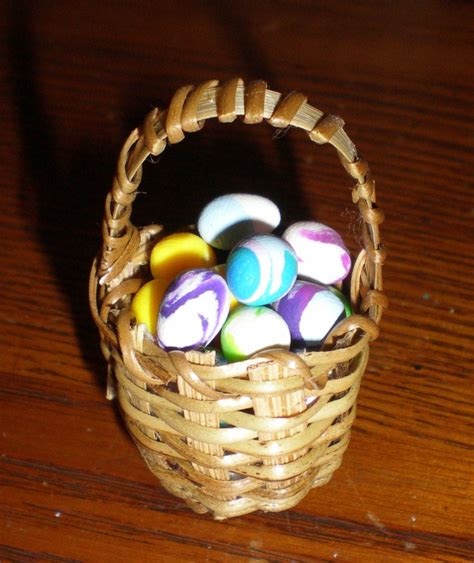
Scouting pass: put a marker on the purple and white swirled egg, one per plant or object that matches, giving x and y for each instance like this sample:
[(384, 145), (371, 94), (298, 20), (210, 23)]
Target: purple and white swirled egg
[(321, 252), (310, 311), (193, 310)]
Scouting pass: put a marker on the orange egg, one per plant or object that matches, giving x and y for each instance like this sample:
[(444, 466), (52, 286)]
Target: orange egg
[(179, 252), (146, 303)]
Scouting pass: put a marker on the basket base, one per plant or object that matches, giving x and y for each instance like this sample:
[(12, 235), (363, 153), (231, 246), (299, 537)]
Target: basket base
[(173, 478), (240, 438)]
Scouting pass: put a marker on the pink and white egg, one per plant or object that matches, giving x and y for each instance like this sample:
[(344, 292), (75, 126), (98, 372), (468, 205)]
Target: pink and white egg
[(321, 252)]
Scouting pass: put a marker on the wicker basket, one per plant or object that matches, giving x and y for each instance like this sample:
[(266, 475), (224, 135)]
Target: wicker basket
[(257, 434)]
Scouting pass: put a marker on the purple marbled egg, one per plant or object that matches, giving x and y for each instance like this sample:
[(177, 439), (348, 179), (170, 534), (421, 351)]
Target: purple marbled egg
[(310, 311), (322, 255), (193, 310)]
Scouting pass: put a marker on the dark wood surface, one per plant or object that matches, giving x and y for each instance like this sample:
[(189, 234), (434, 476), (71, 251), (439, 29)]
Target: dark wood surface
[(77, 76)]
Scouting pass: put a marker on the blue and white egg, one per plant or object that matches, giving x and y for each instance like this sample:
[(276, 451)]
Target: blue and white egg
[(193, 310), (310, 311), (322, 255), (261, 269), (229, 218)]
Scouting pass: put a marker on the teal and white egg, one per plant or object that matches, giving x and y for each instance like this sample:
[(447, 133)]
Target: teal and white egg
[(261, 269), (249, 330), (229, 218)]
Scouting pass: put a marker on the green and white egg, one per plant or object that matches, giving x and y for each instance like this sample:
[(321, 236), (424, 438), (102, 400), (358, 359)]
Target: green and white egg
[(249, 330)]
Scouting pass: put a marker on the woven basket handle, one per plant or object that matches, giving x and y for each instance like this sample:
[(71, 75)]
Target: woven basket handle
[(187, 113)]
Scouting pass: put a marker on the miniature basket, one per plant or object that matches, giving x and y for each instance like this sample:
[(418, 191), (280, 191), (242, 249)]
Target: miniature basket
[(257, 434)]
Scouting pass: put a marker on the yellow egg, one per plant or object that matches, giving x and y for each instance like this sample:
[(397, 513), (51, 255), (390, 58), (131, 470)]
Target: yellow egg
[(179, 252), (146, 303), (220, 269)]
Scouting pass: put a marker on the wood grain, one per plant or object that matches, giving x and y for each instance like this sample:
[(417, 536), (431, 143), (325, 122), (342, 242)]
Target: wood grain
[(77, 76)]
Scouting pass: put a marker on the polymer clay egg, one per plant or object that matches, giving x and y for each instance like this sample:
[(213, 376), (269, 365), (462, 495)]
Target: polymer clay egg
[(310, 310), (221, 269), (252, 329), (347, 304), (193, 310), (229, 218), (146, 303), (261, 269), (322, 255), (179, 252)]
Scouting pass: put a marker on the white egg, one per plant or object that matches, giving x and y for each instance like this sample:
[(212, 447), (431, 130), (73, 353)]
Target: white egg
[(229, 218)]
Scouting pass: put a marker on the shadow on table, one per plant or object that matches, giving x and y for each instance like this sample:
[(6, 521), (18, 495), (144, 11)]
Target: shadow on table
[(70, 186)]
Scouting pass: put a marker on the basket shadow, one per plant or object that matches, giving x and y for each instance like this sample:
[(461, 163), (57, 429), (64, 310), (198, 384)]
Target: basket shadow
[(69, 191), (60, 197)]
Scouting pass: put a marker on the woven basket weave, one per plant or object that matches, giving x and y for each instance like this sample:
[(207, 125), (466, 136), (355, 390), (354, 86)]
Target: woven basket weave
[(257, 434)]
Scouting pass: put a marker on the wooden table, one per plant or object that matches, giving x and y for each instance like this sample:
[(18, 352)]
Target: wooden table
[(77, 77)]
